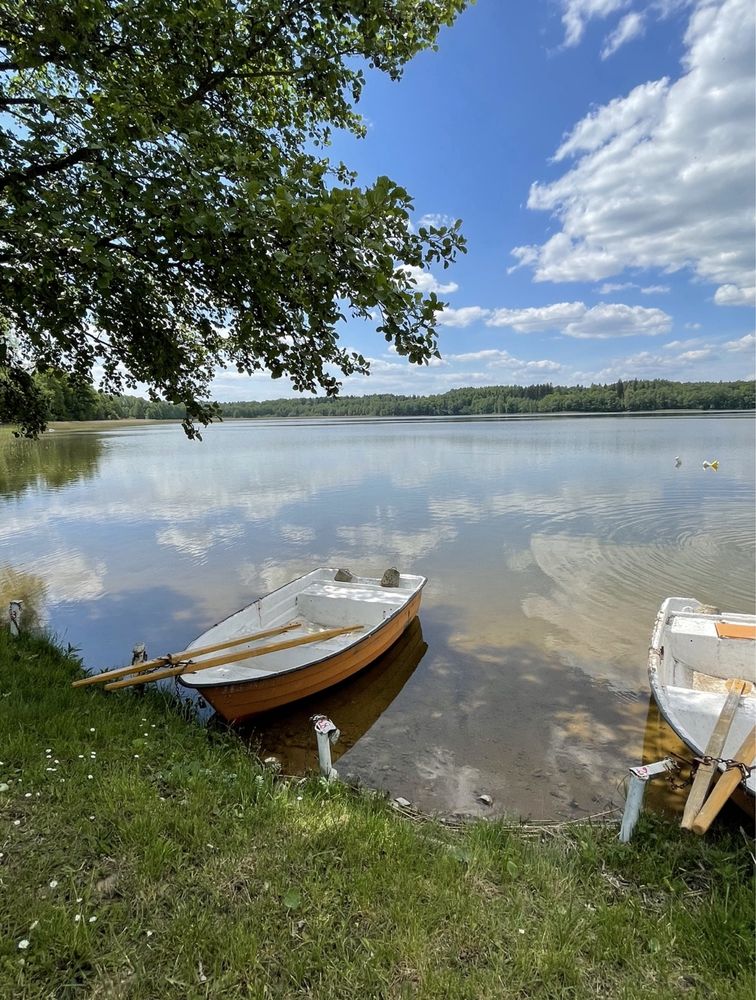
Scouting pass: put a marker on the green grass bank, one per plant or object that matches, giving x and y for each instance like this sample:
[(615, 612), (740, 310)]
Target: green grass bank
[(142, 856)]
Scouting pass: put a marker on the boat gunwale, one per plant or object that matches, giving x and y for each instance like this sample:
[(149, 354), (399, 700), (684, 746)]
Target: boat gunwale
[(379, 627)]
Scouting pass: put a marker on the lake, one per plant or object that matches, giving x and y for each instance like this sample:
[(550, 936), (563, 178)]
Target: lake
[(549, 544)]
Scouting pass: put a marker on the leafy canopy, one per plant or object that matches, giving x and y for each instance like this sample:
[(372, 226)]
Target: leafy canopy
[(167, 204)]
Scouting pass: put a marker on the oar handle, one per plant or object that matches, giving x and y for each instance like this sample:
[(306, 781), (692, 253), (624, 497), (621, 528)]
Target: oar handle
[(726, 785), (705, 773), (184, 654)]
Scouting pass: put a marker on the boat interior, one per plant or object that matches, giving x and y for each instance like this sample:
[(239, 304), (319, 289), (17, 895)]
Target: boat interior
[(314, 603)]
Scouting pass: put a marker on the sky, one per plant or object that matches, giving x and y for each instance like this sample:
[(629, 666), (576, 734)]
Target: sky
[(601, 156)]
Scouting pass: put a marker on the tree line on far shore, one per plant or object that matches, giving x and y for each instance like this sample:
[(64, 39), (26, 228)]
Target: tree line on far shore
[(66, 401)]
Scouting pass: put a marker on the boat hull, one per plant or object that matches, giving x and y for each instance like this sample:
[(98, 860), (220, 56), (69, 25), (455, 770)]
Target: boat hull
[(236, 702)]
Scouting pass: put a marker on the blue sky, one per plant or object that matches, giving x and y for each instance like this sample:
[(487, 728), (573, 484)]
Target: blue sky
[(601, 156)]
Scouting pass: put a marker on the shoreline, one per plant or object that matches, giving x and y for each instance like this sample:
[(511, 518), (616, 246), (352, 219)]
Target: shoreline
[(140, 849)]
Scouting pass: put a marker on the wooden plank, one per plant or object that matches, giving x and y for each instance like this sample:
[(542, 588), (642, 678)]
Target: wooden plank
[(729, 630), (184, 654), (705, 772), (218, 661), (726, 785)]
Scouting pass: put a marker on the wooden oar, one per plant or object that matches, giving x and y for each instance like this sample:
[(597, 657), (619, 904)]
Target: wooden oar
[(705, 772), (726, 785), (218, 661), (160, 661)]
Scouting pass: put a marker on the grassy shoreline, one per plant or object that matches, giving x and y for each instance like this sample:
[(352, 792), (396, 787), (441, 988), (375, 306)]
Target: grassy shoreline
[(195, 872)]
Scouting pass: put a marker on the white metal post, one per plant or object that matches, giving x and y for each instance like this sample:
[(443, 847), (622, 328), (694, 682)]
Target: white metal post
[(637, 789), (14, 614), (326, 733)]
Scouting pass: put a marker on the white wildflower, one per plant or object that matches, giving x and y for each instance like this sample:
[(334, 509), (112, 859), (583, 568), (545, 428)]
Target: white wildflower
[(23, 945), (54, 884), (92, 919), (77, 918), (35, 924)]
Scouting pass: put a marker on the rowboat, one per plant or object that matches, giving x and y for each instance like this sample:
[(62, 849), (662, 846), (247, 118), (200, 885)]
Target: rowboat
[(359, 618), (701, 668)]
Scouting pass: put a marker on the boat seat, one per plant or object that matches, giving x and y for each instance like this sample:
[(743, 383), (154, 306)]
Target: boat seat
[(338, 604), (695, 643)]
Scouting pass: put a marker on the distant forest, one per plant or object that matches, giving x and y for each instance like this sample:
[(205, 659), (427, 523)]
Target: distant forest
[(66, 402)]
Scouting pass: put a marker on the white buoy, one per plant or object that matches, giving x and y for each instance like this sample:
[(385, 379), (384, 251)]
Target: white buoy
[(678, 461)]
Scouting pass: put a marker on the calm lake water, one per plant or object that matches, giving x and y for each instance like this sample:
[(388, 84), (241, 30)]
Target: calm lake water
[(549, 544)]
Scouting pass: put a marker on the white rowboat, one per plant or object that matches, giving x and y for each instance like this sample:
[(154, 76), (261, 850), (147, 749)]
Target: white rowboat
[(376, 615), (695, 652)]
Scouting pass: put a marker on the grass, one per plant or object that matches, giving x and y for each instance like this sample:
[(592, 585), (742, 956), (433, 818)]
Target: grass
[(144, 856)]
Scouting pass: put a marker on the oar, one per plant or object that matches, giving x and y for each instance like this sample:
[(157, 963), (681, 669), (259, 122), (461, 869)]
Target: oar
[(139, 668), (245, 654), (727, 784), (705, 772)]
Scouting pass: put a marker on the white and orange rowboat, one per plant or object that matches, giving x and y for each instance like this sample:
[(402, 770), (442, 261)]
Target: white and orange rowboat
[(368, 615), (702, 671)]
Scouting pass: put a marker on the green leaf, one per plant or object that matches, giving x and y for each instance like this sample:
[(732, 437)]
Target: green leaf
[(293, 899)]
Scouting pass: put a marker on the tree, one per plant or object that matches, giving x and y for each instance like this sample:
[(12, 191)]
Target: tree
[(168, 205)]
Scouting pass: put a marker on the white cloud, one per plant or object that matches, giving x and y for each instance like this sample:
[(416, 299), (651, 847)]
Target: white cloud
[(704, 352), (463, 317), (517, 367), (536, 319), (747, 343), (437, 219), (577, 13), (575, 319), (609, 287), (731, 295), (631, 26), (663, 177), (424, 281), (676, 345)]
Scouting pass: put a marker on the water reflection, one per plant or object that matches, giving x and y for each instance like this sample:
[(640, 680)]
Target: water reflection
[(549, 545), (51, 462), (355, 706), (25, 587)]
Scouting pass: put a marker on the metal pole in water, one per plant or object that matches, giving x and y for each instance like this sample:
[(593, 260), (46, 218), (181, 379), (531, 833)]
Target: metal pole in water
[(15, 611), (635, 792), (326, 733)]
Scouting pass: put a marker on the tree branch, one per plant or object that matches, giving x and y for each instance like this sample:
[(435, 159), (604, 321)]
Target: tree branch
[(85, 155)]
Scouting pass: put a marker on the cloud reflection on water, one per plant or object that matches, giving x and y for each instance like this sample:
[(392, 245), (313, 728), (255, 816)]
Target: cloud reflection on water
[(548, 545)]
